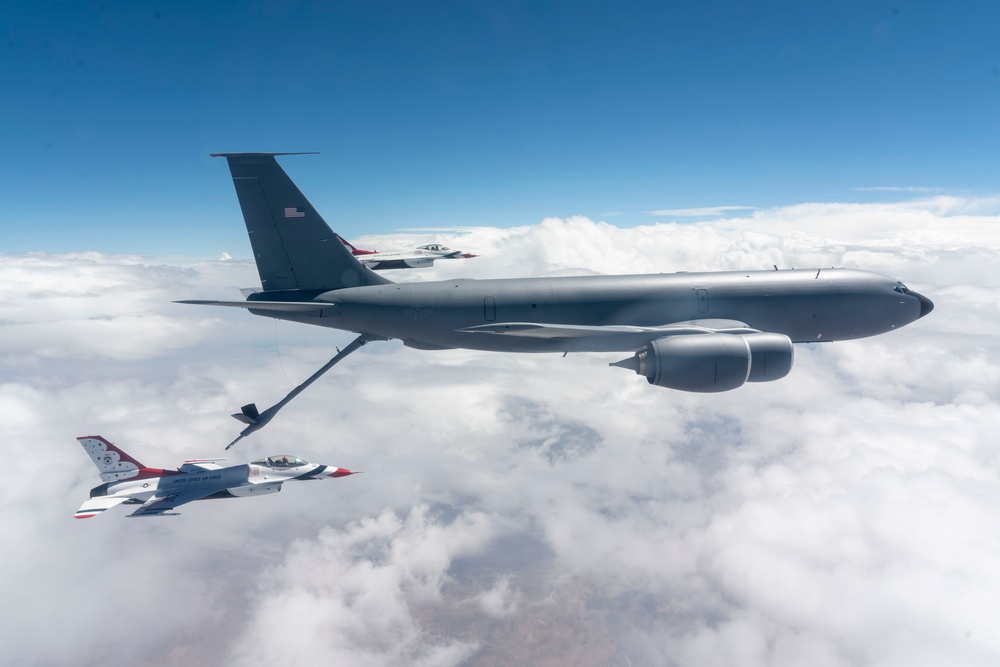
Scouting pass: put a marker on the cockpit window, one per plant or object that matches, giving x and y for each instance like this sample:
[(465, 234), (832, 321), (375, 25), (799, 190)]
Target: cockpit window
[(901, 288), (435, 246), (280, 461)]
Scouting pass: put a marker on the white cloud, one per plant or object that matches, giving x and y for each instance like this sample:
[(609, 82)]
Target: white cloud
[(499, 601), (705, 212), (909, 189), (515, 507), (348, 595)]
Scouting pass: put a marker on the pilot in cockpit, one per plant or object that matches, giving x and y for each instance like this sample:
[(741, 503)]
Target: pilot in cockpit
[(280, 461)]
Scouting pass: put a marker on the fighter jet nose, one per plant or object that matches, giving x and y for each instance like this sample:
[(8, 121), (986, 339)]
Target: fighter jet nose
[(926, 305)]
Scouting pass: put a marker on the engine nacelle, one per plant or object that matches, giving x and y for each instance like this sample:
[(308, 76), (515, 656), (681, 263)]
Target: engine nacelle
[(712, 362), (771, 356)]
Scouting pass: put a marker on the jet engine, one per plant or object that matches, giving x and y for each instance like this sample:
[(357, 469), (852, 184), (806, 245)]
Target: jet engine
[(712, 362)]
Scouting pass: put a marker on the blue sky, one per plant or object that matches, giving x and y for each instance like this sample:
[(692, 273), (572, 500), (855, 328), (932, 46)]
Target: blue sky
[(454, 114)]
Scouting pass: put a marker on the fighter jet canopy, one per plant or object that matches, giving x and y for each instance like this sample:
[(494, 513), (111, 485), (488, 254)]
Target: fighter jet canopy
[(280, 461)]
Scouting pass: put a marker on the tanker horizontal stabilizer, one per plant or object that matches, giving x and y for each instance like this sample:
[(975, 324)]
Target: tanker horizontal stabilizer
[(276, 306)]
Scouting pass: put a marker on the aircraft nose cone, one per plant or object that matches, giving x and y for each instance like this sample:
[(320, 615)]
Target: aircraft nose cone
[(926, 305)]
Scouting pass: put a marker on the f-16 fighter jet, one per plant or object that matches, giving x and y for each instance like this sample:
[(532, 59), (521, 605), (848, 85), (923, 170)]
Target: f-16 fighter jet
[(157, 491), (418, 258)]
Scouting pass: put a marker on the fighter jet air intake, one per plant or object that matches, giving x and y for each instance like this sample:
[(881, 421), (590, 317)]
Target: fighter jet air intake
[(696, 332), (157, 491)]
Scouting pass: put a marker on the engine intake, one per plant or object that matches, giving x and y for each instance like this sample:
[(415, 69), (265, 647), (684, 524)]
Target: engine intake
[(712, 362)]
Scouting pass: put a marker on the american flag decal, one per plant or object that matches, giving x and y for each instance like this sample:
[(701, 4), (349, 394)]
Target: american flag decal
[(295, 212)]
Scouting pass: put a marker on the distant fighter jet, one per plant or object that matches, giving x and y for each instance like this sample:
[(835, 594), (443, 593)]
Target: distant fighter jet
[(418, 258), (126, 481), (699, 332)]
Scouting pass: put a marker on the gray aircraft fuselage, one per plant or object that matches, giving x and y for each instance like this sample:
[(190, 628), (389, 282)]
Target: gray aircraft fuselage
[(805, 305)]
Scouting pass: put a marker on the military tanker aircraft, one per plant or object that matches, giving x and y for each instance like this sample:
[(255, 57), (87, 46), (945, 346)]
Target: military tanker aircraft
[(157, 491), (697, 332)]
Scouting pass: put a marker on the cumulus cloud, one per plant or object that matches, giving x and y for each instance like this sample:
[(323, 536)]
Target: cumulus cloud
[(515, 508), (89, 305), (353, 591)]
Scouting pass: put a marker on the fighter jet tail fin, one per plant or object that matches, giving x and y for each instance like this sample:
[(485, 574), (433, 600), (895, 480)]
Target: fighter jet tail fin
[(293, 246), (111, 462)]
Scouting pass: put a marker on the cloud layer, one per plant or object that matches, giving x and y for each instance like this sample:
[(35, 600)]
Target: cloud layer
[(515, 508)]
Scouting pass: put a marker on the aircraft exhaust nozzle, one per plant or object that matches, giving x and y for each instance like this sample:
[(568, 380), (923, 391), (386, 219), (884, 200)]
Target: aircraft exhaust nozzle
[(631, 363)]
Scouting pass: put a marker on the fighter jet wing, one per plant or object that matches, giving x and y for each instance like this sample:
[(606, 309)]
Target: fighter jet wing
[(534, 330), (94, 506), (283, 306), (161, 505)]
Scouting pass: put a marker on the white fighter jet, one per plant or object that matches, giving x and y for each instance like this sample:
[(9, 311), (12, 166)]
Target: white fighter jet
[(126, 481), (418, 258)]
